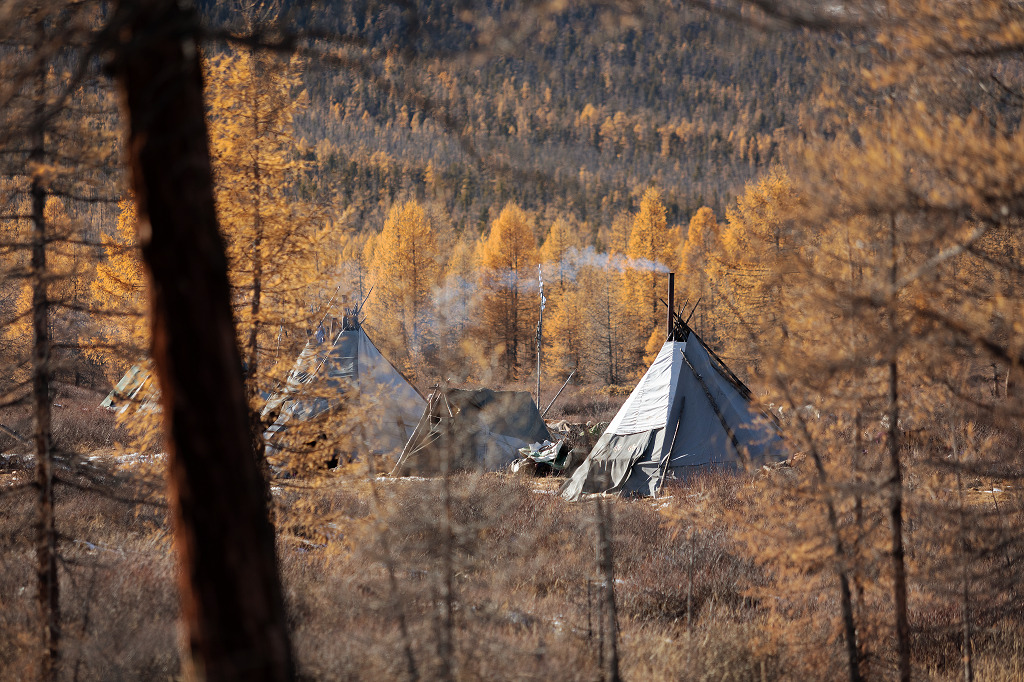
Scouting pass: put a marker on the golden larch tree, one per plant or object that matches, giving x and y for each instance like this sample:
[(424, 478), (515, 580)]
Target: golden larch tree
[(118, 298), (566, 333), (614, 238), (558, 270), (271, 232), (67, 261), (509, 282), (353, 266), (697, 286), (648, 251), (404, 273), (456, 352), (654, 343), (608, 335), (754, 245), (16, 294)]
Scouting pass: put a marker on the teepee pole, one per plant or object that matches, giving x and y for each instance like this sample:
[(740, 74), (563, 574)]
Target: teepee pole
[(728, 373), (571, 375), (417, 433), (363, 302), (667, 457), (687, 323), (540, 327), (327, 311), (671, 304)]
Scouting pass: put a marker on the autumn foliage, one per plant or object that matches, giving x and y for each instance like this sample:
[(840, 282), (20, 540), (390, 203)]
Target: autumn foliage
[(842, 208)]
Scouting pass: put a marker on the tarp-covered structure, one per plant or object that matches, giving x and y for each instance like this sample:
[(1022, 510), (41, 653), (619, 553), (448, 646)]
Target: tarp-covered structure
[(688, 412), (467, 430), (341, 371), (137, 387)]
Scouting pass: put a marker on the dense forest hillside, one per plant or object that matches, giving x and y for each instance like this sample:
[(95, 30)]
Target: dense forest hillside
[(581, 117)]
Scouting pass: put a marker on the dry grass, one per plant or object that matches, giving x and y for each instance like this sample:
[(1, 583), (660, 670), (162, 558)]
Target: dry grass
[(583, 403), (118, 598), (79, 423), (521, 561)]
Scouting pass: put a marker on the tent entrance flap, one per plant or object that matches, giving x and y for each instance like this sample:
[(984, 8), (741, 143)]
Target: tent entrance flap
[(611, 461), (645, 474)]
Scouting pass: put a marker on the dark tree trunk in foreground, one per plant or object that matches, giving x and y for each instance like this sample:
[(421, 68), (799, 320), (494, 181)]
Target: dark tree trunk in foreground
[(606, 566), (899, 566), (232, 602), (899, 582), (46, 531)]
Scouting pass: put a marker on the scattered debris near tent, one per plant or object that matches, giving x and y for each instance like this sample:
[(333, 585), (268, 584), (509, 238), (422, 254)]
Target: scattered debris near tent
[(542, 459)]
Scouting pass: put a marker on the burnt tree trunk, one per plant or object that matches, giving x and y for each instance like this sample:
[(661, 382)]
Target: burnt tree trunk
[(446, 621), (232, 602), (395, 607), (965, 571), (839, 552)]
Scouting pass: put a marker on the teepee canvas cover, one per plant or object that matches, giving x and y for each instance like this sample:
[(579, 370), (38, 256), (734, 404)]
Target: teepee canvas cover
[(688, 411), (345, 367), (471, 430)]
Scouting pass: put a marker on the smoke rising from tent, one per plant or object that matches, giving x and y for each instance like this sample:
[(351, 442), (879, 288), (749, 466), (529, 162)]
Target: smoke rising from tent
[(575, 259), (572, 262)]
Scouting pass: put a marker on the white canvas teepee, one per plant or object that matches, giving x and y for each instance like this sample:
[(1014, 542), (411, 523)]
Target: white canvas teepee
[(688, 411), (343, 366)]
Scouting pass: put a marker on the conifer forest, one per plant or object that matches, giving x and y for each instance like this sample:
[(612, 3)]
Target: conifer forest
[(512, 340)]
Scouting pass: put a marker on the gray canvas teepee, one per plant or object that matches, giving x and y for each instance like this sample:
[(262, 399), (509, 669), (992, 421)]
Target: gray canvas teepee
[(341, 368), (688, 412)]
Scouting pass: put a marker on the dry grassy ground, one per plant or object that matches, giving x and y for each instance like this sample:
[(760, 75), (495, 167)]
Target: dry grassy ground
[(522, 561), (79, 423), (524, 597)]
